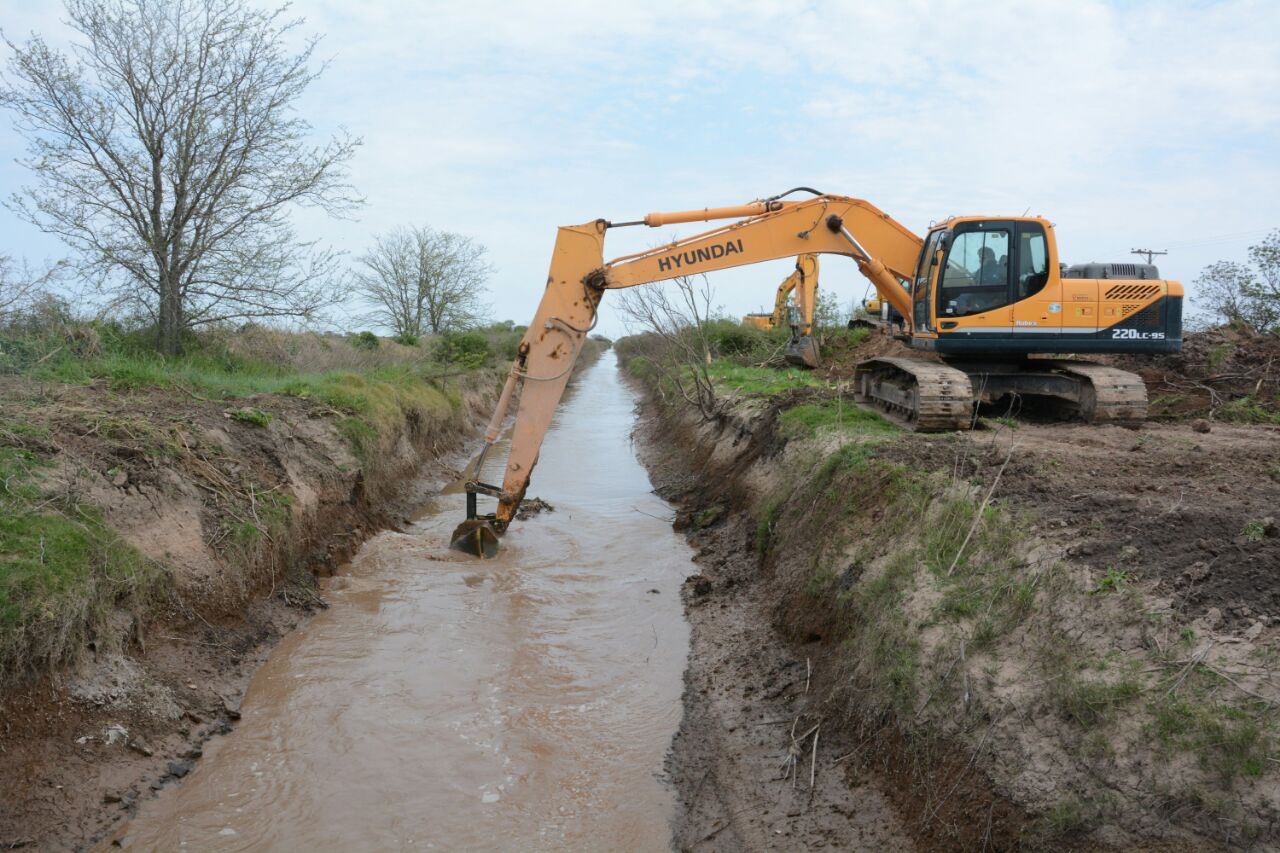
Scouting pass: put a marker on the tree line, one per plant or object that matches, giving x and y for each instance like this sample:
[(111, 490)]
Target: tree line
[(168, 152)]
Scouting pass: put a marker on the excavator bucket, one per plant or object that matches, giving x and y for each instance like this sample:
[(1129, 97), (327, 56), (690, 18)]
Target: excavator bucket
[(802, 351), (476, 537)]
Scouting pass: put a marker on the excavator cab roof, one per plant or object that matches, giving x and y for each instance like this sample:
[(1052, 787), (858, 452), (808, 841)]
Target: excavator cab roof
[(953, 221)]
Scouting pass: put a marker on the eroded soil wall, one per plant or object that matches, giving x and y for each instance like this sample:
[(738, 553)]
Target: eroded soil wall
[(1032, 636)]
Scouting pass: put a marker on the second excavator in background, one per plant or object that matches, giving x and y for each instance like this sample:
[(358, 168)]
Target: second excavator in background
[(981, 294), (795, 304)]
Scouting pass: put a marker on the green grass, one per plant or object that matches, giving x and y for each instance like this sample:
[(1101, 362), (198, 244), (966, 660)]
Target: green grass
[(1219, 354), (1088, 703), (809, 419), (1231, 740), (829, 511), (362, 437), (766, 523), (884, 649), (62, 571), (266, 517), (971, 552), (380, 394), (1250, 409), (253, 417), (1113, 580), (17, 430), (761, 381), (707, 517)]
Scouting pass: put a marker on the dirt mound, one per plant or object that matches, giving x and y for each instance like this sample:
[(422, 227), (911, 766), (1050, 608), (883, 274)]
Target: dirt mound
[(1226, 373), (842, 352), (1192, 511)]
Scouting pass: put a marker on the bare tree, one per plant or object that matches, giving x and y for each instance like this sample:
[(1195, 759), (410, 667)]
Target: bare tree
[(20, 284), (1245, 293), (421, 280), (168, 153), (678, 313)]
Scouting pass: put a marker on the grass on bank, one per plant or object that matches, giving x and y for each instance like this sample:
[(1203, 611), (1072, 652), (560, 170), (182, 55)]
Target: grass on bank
[(890, 558), (63, 571), (841, 416), (760, 381)]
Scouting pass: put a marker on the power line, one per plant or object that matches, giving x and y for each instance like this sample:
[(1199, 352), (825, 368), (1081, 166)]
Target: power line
[(1220, 238), (1150, 253)]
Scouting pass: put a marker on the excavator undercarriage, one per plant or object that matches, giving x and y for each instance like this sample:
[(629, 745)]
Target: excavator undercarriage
[(931, 397)]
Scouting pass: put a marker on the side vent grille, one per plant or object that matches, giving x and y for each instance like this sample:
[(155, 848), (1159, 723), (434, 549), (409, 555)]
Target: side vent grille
[(1132, 291), (1126, 310)]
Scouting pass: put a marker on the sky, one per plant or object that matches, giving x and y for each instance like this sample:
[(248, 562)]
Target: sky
[(1127, 124)]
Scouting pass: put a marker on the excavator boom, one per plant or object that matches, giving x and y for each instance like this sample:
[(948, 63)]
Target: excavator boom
[(578, 276)]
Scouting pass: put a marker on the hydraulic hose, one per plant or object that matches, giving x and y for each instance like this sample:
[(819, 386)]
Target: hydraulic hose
[(810, 190)]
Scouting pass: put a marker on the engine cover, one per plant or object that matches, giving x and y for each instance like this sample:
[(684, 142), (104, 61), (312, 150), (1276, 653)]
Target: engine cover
[(1095, 270)]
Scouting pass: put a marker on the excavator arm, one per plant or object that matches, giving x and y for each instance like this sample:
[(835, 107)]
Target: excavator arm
[(884, 250), (803, 278), (804, 281), (779, 314), (802, 349)]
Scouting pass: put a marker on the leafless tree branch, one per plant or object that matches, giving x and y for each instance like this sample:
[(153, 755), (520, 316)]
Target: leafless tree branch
[(167, 153), (677, 314), (421, 280)]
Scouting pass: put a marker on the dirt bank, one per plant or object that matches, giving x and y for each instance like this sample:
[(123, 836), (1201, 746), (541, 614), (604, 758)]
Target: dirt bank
[(231, 509), (238, 517), (1032, 636)]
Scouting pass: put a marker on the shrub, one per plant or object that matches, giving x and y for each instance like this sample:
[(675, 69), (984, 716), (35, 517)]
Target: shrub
[(730, 339), (365, 341), (469, 349)]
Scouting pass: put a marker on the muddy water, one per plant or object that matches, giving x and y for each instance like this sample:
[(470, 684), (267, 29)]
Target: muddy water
[(442, 702)]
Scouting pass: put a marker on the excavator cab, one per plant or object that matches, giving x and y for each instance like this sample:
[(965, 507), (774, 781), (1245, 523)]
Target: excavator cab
[(992, 286)]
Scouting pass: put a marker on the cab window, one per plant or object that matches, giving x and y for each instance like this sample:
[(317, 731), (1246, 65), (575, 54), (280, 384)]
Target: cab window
[(920, 288), (1033, 259), (925, 265), (976, 276)]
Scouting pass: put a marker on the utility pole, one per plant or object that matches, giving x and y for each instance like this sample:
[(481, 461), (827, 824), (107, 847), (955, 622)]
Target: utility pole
[(1150, 253)]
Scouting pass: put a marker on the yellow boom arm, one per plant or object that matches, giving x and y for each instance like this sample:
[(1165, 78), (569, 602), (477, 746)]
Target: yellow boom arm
[(884, 250), (804, 282)]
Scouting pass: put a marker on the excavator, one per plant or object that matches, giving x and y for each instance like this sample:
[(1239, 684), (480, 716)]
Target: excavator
[(802, 348), (980, 296)]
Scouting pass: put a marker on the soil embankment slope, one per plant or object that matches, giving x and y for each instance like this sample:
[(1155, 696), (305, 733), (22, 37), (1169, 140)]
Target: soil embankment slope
[(1031, 636), (206, 524)]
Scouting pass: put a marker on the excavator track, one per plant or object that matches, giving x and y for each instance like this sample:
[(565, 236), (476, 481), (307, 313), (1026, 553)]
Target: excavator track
[(920, 395), (1107, 395), (928, 397)]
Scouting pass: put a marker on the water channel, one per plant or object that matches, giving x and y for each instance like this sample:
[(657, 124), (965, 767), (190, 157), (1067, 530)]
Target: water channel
[(442, 702)]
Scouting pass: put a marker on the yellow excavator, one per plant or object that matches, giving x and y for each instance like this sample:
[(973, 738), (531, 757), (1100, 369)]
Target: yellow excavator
[(801, 349), (983, 292)]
